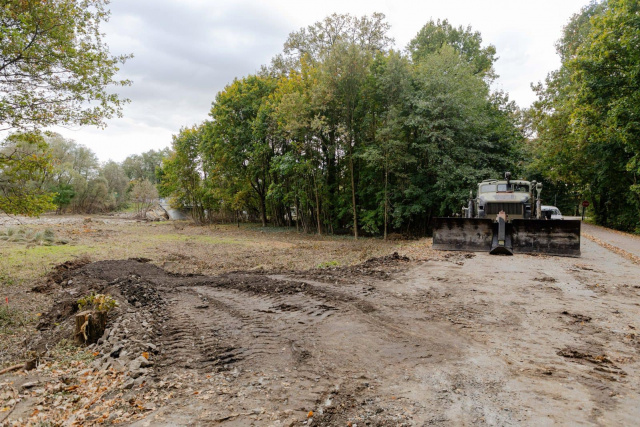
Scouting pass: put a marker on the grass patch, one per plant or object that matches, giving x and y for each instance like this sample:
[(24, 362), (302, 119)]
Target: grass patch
[(328, 264), (18, 263), (31, 236), (195, 238), (67, 353), (7, 279), (11, 318)]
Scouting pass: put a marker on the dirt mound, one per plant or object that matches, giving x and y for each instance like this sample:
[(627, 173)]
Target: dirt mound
[(63, 272), (379, 268), (386, 260), (143, 291)]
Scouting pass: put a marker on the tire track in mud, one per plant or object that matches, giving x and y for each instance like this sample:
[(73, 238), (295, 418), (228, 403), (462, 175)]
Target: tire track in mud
[(214, 327)]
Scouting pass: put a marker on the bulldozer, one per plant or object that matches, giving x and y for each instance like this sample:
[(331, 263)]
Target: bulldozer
[(505, 218)]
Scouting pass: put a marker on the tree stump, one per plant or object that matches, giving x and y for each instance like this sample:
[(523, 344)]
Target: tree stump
[(90, 326)]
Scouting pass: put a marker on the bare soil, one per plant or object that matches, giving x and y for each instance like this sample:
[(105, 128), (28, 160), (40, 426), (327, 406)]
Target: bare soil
[(410, 337)]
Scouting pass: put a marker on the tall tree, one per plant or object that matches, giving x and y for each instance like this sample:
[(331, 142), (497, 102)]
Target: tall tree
[(24, 167), (468, 43), (145, 165), (183, 173), (586, 118), (387, 151), (366, 32), (235, 139), (54, 67)]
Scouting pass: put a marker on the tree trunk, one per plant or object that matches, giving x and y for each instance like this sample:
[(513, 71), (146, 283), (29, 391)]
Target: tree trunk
[(353, 194), (297, 216), (263, 210), (315, 183), (386, 199), (90, 326)]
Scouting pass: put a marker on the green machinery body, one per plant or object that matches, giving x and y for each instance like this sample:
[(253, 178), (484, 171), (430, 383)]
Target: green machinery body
[(505, 218)]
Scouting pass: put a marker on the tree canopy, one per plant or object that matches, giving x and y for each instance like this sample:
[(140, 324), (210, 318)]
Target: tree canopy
[(54, 70), (587, 117), (54, 67), (344, 135)]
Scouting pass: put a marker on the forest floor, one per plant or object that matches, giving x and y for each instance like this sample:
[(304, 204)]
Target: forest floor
[(252, 326)]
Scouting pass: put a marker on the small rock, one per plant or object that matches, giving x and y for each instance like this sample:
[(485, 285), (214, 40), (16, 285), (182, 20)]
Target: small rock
[(115, 351), (29, 385), (138, 381), (144, 362), (117, 366), (129, 384), (138, 373), (135, 364)]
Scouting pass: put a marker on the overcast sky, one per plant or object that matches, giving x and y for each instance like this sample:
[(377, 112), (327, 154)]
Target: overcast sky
[(185, 51)]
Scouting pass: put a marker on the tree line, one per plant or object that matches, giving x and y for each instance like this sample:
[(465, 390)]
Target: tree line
[(55, 69), (586, 122), (49, 172), (341, 133)]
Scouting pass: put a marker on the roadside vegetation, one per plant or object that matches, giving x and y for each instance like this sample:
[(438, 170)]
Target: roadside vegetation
[(586, 137)]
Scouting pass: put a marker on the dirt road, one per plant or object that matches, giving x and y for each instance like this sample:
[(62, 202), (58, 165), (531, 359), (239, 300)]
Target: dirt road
[(464, 339), (480, 340)]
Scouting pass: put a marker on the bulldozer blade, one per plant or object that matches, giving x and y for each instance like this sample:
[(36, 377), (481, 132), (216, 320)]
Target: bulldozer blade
[(501, 243), (551, 237), (463, 234)]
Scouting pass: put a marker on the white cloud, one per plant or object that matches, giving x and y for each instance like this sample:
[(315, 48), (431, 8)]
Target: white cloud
[(187, 51)]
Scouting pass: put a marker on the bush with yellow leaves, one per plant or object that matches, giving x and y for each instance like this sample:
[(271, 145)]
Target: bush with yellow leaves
[(99, 302)]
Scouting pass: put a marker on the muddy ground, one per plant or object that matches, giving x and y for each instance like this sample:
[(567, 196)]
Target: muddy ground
[(443, 339)]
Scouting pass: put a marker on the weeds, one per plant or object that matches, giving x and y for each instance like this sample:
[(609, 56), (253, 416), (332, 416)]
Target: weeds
[(99, 302), (10, 318), (328, 264), (30, 237), (68, 353), (6, 280)]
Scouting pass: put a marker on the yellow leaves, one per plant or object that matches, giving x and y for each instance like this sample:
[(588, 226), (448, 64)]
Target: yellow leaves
[(310, 414), (145, 354)]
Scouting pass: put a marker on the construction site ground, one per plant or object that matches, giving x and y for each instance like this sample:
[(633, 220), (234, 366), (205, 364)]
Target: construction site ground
[(237, 326)]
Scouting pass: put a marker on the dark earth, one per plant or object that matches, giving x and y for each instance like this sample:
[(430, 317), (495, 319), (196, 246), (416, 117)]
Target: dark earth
[(464, 339)]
